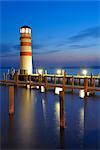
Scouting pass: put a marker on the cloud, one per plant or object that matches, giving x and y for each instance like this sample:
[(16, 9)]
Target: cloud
[(16, 47), (60, 44), (5, 48), (93, 32), (9, 50), (47, 52), (9, 55), (77, 46), (37, 46)]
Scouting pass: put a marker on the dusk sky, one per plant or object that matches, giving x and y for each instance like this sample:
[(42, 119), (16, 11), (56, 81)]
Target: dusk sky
[(63, 33)]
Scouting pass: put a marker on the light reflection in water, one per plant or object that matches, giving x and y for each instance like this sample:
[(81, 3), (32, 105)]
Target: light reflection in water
[(37, 87), (42, 89), (82, 93), (28, 127), (57, 111), (11, 121), (26, 116), (81, 124), (57, 90), (11, 100), (26, 97), (44, 109), (82, 120)]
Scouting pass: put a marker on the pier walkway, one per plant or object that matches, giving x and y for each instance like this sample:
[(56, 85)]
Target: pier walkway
[(50, 81)]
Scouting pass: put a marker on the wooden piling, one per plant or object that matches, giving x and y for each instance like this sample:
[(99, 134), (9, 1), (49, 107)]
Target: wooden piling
[(94, 83), (62, 136), (5, 78), (72, 84), (55, 80), (62, 120), (58, 80), (30, 81), (91, 81), (16, 78), (11, 100), (79, 81), (46, 82), (85, 86), (39, 78), (98, 82), (64, 81), (26, 77), (11, 121)]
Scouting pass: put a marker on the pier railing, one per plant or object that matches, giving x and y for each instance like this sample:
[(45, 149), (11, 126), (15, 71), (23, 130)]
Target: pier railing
[(91, 83)]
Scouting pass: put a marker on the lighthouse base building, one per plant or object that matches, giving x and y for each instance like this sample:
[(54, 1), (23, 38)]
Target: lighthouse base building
[(25, 50)]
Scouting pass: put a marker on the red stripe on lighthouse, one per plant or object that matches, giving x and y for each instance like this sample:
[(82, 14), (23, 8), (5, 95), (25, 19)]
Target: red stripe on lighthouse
[(25, 44), (25, 53), (25, 37)]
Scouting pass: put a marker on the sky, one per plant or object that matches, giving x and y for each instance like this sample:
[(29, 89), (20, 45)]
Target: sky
[(64, 33)]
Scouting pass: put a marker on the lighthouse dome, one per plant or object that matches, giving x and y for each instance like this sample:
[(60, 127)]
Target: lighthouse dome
[(25, 27)]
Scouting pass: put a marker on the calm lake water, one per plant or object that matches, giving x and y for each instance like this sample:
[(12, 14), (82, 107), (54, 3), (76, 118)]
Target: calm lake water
[(35, 123), (70, 71)]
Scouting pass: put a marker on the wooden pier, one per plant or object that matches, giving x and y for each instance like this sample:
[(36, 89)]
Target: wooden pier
[(52, 81), (49, 81)]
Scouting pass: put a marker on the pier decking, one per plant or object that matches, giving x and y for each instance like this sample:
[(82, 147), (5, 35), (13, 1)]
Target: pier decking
[(51, 81)]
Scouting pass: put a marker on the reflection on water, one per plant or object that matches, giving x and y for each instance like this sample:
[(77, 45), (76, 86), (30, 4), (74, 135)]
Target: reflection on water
[(25, 120), (81, 126), (57, 90), (11, 100), (57, 111), (82, 120), (42, 89), (11, 121), (37, 87), (82, 93), (35, 123), (62, 136), (44, 109)]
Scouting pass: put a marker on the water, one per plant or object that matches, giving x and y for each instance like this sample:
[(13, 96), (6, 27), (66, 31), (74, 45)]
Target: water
[(70, 71), (36, 121), (75, 71)]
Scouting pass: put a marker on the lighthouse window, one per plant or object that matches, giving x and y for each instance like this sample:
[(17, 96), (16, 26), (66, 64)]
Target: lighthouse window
[(27, 30), (23, 30)]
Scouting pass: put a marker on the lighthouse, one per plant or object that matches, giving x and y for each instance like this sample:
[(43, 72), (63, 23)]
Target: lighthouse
[(25, 50)]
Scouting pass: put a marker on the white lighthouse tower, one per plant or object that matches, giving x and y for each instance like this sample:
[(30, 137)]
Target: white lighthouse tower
[(25, 50)]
